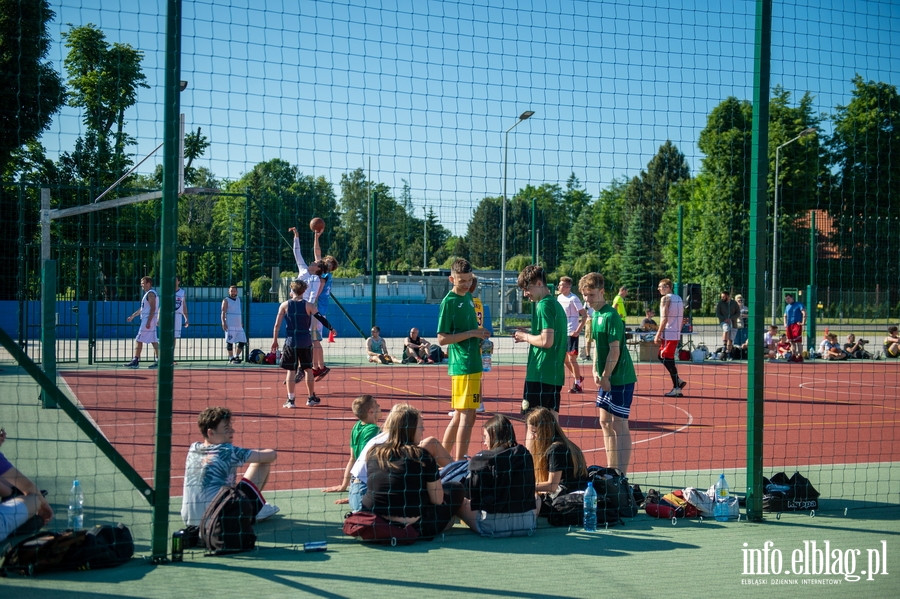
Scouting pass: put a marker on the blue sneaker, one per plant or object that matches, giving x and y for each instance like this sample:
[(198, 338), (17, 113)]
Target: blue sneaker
[(133, 364), (154, 365)]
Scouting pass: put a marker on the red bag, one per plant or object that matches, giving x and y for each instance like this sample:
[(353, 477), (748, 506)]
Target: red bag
[(672, 505), (684, 355), (367, 526)]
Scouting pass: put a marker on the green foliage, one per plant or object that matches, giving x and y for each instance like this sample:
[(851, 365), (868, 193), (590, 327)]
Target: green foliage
[(260, 287), (31, 91), (518, 263), (637, 269)]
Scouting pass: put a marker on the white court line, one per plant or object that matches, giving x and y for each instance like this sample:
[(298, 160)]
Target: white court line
[(690, 421), (79, 405)]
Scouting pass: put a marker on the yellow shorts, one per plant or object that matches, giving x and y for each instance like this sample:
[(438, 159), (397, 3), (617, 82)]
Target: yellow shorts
[(465, 391)]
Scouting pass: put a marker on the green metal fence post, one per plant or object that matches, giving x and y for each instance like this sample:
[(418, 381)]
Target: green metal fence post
[(680, 248), (811, 289), (48, 327), (759, 165), (162, 470)]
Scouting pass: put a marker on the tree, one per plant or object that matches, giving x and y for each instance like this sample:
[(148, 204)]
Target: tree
[(650, 189), (865, 155), (483, 233), (31, 91), (103, 79), (637, 267)]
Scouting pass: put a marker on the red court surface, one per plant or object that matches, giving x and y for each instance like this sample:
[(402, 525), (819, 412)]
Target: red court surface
[(815, 413)]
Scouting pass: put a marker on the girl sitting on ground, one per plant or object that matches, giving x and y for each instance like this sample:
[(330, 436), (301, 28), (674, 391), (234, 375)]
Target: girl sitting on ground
[(559, 465), (404, 484), (500, 487)]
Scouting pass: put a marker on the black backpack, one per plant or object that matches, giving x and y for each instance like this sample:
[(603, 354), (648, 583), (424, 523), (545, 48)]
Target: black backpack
[(501, 481), (227, 523), (104, 546), (613, 489), (794, 494)]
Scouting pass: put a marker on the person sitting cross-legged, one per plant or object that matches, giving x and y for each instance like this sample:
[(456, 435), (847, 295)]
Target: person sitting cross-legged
[(213, 462)]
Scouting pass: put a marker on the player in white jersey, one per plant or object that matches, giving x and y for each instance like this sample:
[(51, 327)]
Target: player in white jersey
[(233, 325), (181, 311), (149, 313), (671, 315), (575, 317)]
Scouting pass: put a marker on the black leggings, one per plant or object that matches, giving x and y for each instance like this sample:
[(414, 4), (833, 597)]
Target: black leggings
[(669, 363)]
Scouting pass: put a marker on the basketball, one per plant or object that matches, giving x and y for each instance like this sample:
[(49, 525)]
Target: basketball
[(317, 225)]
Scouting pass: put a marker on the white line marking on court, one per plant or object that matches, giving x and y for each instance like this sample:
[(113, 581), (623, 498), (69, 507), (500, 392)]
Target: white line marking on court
[(690, 421)]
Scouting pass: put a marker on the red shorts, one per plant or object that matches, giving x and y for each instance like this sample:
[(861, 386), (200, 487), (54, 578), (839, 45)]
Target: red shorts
[(795, 332), (667, 349)]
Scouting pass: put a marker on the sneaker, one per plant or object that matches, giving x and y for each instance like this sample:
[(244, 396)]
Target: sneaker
[(267, 511), (586, 358), (301, 374), (682, 384), (154, 365), (676, 392), (236, 361), (133, 364), (313, 401), (480, 408), (289, 404), (451, 413), (321, 374)]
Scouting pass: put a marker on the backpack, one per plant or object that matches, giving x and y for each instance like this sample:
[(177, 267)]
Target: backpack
[(227, 524), (367, 526), (501, 481), (614, 490), (794, 494), (436, 354), (104, 546), (256, 356)]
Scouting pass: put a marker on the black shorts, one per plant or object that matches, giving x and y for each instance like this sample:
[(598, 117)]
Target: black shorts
[(292, 356), (572, 346), (540, 395)]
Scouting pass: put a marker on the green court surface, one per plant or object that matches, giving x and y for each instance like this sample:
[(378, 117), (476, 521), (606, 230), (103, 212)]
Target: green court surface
[(643, 558)]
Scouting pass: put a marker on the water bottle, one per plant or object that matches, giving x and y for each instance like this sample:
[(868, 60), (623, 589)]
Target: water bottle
[(487, 348), (76, 507), (590, 508), (721, 509)]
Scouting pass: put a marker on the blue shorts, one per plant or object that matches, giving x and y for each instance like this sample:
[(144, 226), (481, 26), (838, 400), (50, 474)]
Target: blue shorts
[(616, 401)]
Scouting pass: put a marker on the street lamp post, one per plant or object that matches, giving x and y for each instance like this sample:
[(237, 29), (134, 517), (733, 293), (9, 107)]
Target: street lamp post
[(522, 117), (804, 133)]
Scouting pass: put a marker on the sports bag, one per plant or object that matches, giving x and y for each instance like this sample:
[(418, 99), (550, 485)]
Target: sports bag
[(227, 524), (613, 488), (794, 494), (104, 546), (501, 481), (367, 526)]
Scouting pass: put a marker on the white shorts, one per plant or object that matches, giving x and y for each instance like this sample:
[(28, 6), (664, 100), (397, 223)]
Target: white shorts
[(178, 320), (730, 330), (13, 514), (235, 336), (146, 335)]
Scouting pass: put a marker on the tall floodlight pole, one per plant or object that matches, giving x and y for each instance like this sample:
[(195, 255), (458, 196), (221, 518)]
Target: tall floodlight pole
[(803, 133), (522, 117)]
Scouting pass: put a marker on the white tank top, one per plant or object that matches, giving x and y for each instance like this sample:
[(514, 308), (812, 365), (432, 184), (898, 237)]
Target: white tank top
[(674, 318)]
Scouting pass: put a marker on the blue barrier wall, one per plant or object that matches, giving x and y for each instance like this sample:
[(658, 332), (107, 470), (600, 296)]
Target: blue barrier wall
[(395, 320)]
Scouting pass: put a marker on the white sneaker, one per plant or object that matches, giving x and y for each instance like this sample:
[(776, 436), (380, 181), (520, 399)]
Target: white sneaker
[(267, 511), (451, 413), (480, 408)]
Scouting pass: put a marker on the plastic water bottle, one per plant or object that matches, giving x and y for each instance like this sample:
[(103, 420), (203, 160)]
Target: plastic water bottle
[(76, 507), (721, 509), (487, 348), (590, 508)]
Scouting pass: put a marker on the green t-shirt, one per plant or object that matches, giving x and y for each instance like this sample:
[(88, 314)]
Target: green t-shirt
[(361, 434), (457, 315), (606, 328), (547, 365)]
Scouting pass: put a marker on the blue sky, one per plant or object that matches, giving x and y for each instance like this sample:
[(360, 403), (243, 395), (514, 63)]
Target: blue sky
[(424, 89)]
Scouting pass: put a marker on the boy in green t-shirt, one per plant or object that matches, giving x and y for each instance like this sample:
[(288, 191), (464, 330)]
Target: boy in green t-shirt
[(545, 373), (368, 411), (458, 328), (613, 373)]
